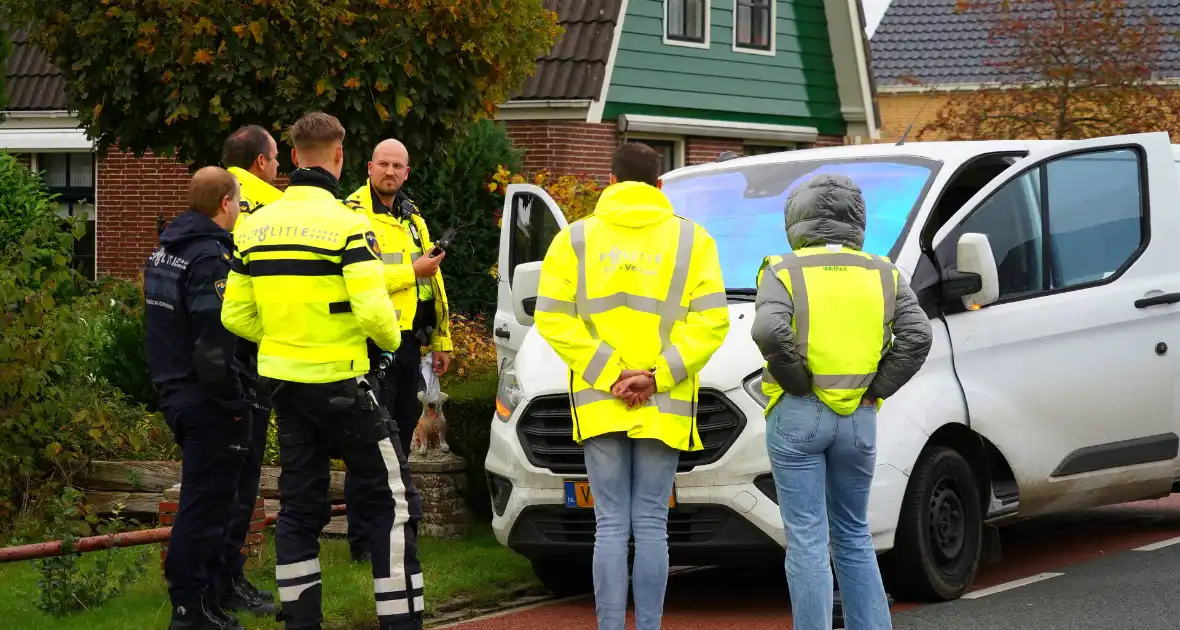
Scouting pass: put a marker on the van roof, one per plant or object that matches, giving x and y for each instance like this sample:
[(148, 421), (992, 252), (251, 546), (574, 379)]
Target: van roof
[(946, 151)]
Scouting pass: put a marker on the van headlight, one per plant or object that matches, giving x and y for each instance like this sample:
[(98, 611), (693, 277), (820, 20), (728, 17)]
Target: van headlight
[(508, 392), (753, 387)]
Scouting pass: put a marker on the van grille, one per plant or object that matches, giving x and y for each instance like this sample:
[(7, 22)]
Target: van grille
[(545, 431)]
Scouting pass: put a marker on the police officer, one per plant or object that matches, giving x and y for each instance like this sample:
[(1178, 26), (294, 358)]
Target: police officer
[(251, 156), (419, 296), (841, 331), (193, 365), (307, 285), (632, 300)]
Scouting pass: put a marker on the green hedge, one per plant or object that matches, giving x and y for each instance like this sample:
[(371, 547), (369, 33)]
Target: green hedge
[(469, 421)]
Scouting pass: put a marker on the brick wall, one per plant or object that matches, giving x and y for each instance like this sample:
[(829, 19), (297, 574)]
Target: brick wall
[(828, 141), (131, 193), (705, 150), (565, 146), (899, 110)]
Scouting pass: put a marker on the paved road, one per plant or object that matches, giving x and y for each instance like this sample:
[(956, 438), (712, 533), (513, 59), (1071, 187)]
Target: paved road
[(1098, 580)]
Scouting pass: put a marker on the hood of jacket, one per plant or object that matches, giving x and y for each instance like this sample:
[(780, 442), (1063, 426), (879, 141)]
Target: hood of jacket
[(633, 204), (191, 225), (826, 209)]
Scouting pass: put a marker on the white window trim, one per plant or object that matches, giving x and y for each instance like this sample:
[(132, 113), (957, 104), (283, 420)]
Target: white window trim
[(707, 28), (773, 33), (678, 145)]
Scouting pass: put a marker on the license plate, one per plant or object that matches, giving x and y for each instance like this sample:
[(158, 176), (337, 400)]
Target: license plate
[(578, 495)]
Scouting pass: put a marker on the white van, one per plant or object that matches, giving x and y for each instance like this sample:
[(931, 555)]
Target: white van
[(1054, 297)]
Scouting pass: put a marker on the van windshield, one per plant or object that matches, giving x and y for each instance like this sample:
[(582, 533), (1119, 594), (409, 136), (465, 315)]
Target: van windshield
[(743, 207)]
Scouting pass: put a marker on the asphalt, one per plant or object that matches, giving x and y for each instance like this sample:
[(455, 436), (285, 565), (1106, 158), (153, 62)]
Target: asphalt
[(1132, 589)]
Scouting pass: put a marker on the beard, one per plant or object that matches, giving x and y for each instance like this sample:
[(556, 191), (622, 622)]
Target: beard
[(387, 190)]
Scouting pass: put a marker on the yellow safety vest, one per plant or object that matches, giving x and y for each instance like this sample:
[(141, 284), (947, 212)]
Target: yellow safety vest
[(398, 253), (633, 286), (307, 285), (843, 314), (255, 193)]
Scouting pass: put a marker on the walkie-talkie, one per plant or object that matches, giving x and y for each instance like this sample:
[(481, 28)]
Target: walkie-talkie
[(443, 243)]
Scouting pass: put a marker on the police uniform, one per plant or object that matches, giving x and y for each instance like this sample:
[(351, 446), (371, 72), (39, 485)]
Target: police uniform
[(423, 314), (193, 366), (239, 592), (307, 285)]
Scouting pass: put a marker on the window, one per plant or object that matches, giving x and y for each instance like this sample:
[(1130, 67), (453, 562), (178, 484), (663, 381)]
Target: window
[(533, 228), (753, 25), (757, 149), (70, 176), (686, 22), (1073, 220), (667, 151)]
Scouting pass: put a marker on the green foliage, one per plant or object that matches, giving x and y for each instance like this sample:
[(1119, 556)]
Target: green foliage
[(5, 52), (22, 199), (469, 416), (56, 411), (179, 75), (64, 587), (451, 187), (121, 342)]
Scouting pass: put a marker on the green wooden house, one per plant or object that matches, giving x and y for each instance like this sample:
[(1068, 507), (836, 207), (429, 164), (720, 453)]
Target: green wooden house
[(694, 78)]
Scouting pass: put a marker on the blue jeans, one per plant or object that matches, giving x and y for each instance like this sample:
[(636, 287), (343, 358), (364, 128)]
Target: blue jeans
[(823, 467), (631, 481)]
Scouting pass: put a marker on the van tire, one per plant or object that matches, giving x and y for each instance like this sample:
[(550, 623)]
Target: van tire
[(565, 576), (939, 541)]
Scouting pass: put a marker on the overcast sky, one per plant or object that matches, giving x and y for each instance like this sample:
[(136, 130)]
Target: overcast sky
[(874, 9)]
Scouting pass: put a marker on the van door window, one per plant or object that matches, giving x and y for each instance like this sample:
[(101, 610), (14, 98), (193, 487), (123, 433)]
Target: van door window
[(533, 228), (1095, 215)]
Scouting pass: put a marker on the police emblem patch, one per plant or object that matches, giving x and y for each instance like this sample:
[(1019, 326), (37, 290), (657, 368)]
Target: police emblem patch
[(244, 206), (371, 243), (219, 286)]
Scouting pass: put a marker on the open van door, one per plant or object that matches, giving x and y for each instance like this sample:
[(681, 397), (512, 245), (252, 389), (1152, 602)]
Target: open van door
[(1069, 360), (529, 222)]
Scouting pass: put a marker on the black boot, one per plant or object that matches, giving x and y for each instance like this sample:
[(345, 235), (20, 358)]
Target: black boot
[(267, 596), (203, 615), (240, 594)]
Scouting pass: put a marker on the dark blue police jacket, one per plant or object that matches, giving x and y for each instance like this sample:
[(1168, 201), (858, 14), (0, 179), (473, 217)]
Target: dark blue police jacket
[(193, 359)]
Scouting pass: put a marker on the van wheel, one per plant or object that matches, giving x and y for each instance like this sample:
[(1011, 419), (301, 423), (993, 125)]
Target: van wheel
[(939, 532), (565, 576)]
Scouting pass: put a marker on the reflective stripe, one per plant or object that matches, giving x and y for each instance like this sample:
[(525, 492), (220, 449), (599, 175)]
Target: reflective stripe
[(415, 256), (706, 302), (842, 381), (297, 569), (393, 259), (842, 259), (293, 593), (679, 280), (552, 305), (801, 312), (578, 241), (598, 363), (662, 401), (767, 377), (676, 365)]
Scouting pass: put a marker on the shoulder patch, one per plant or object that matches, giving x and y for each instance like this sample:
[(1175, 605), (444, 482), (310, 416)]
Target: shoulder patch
[(219, 286), (244, 206), (371, 243), (225, 255)]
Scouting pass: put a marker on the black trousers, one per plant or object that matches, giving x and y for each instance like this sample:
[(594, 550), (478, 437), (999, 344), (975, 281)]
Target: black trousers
[(214, 450), (316, 420), (243, 509)]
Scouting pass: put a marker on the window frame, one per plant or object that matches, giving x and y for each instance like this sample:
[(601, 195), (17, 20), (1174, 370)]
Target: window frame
[(74, 197), (762, 148), (513, 236), (688, 42), (679, 151), (772, 17), (1047, 235)]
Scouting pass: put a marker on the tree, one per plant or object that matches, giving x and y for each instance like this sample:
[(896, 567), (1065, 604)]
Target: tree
[(175, 76), (1065, 69)]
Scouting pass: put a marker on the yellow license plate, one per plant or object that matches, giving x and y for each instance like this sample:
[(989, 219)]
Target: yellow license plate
[(578, 495)]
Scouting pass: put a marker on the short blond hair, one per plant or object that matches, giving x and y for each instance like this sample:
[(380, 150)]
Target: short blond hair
[(208, 188), (316, 132)]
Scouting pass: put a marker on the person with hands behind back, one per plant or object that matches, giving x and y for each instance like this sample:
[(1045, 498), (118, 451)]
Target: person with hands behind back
[(632, 300)]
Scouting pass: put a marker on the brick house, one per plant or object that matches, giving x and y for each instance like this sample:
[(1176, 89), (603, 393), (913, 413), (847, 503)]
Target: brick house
[(692, 78), (945, 51)]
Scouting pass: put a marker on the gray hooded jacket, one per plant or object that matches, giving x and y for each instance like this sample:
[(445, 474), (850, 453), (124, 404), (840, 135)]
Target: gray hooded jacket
[(831, 209)]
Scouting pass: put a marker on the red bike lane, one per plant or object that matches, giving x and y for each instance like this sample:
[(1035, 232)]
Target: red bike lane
[(718, 599)]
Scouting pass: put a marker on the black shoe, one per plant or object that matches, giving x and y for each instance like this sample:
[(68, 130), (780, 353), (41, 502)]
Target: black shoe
[(242, 582), (239, 594), (364, 556), (206, 615)]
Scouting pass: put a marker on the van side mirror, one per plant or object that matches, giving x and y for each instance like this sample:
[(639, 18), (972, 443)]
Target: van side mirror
[(976, 280), (525, 279)]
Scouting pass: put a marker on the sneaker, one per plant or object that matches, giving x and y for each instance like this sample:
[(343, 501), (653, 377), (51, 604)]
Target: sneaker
[(239, 594)]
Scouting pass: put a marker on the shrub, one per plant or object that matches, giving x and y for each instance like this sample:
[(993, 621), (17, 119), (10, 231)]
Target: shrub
[(469, 417), (121, 341), (450, 187), (474, 351)]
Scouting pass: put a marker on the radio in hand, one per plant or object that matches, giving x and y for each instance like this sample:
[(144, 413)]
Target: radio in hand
[(443, 243)]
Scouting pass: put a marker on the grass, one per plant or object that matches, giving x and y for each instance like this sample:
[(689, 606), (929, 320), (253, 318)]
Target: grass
[(477, 567)]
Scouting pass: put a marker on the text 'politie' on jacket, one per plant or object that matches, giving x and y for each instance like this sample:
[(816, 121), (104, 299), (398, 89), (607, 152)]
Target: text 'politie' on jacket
[(633, 286), (307, 285), (829, 318), (398, 253)]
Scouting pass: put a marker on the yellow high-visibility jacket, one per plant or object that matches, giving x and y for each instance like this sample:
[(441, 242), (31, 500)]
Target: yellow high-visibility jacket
[(399, 251), (633, 286), (255, 193), (307, 285)]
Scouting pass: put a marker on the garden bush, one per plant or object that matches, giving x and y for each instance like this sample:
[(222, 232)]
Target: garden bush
[(451, 188)]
